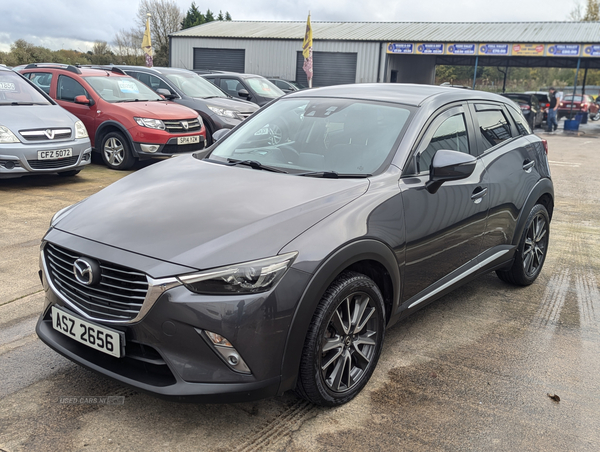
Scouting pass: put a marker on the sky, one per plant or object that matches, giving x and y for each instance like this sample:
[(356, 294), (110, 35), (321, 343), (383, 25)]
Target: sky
[(76, 24)]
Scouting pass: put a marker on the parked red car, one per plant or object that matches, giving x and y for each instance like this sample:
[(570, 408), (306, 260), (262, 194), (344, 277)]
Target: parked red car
[(581, 104), (124, 118)]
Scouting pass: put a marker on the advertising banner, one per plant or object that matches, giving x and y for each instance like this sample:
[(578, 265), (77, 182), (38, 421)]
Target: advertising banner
[(430, 49), (400, 47), (461, 49), (562, 50), (591, 50), (493, 49), (528, 49)]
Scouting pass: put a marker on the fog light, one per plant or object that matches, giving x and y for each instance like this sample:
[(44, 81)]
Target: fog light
[(9, 165), (149, 147), (225, 351)]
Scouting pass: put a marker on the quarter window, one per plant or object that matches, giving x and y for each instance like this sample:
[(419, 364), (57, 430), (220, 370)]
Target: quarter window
[(493, 127), (450, 135), (68, 89), (522, 125)]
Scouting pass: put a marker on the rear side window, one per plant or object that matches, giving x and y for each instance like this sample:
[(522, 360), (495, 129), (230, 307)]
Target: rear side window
[(450, 135), (41, 79), (493, 127), (520, 121), (68, 89)]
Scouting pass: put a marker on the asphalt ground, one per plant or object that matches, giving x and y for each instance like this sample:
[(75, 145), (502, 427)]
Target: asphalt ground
[(473, 371)]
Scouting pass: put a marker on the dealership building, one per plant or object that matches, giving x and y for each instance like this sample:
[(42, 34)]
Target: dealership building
[(364, 52)]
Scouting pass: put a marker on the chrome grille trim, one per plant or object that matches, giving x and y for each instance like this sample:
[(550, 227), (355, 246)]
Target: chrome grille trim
[(40, 134), (175, 126), (129, 308)]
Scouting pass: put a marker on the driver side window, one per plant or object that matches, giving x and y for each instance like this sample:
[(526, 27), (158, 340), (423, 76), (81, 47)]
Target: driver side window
[(451, 135)]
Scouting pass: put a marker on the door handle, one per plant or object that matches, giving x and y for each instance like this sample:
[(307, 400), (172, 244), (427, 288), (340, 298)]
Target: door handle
[(528, 164), (478, 194)]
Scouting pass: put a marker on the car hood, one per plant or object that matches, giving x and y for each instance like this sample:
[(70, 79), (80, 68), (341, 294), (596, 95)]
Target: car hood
[(27, 117), (232, 104), (157, 110), (204, 215)]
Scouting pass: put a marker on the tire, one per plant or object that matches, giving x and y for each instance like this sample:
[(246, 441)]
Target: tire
[(344, 341), (69, 173), (116, 151), (595, 116), (532, 249)]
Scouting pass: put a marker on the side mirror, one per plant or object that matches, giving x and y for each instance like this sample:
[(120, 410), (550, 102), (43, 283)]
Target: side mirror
[(220, 134), (447, 166), (165, 93), (244, 93), (83, 100)]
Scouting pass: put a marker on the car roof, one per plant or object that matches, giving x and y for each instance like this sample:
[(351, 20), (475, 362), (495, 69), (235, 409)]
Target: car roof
[(403, 93), (77, 69), (231, 74), (153, 70)]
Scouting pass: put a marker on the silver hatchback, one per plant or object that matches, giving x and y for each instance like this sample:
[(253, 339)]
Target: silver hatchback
[(36, 134)]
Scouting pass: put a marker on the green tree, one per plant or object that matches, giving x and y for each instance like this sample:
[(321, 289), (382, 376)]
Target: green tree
[(227, 15), (220, 16), (193, 17), (592, 12), (210, 17)]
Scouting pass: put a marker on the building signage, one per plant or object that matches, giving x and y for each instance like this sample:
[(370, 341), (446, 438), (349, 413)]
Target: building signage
[(430, 49), (528, 49), (591, 50), (493, 49), (461, 49), (563, 50), (400, 47)]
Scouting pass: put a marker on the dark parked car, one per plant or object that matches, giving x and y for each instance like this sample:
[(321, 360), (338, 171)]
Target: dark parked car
[(283, 265), (530, 107), (544, 100), (217, 109), (285, 85), (250, 87)]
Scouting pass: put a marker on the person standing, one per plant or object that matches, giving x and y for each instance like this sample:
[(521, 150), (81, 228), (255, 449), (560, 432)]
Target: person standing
[(551, 122)]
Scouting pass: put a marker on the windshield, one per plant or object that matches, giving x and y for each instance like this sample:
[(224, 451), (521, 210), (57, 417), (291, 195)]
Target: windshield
[(195, 86), (264, 88), (344, 136), (577, 98), (121, 89), (16, 91)]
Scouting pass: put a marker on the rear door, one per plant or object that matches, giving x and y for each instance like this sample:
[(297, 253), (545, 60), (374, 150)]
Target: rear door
[(512, 165), (444, 230)]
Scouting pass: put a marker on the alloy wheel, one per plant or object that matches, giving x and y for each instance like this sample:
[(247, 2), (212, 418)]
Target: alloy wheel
[(536, 243), (349, 342), (114, 151)]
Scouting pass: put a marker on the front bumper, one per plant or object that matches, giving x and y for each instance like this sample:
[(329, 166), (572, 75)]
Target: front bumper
[(166, 353), (169, 149), (18, 159)]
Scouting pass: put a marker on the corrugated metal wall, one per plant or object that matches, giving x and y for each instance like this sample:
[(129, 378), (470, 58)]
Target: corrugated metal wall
[(277, 58)]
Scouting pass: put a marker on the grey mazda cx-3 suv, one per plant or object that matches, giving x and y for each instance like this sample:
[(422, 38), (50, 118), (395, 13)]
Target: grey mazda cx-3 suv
[(253, 268)]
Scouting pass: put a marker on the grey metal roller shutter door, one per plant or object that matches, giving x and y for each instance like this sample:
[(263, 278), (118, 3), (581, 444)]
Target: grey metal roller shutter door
[(329, 68), (231, 60)]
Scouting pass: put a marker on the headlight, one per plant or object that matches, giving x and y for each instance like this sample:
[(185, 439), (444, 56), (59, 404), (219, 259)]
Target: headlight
[(234, 114), (6, 136), (248, 277), (150, 123), (80, 130)]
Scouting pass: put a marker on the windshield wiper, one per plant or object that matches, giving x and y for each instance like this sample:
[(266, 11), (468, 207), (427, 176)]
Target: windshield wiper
[(334, 175), (210, 97), (138, 100), (255, 165), (18, 103)]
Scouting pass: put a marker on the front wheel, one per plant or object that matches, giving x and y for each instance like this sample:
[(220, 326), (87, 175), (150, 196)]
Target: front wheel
[(344, 341), (595, 116), (116, 152), (532, 249)]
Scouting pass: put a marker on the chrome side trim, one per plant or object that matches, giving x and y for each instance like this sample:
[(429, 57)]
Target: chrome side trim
[(457, 278), (156, 287)]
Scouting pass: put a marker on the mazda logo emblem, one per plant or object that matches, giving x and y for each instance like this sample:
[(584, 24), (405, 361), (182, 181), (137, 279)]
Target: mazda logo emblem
[(87, 272)]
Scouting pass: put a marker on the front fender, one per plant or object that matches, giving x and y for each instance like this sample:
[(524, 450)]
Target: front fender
[(332, 266)]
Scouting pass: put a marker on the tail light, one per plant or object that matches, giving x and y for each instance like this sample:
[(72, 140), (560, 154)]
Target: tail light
[(547, 105), (545, 143), (525, 107)]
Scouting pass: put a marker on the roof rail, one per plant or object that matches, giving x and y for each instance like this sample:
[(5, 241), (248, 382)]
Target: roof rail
[(109, 68), (66, 67)]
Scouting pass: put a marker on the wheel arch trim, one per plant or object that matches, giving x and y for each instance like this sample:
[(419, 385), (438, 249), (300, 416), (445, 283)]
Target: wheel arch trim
[(100, 132), (332, 266), (542, 188)]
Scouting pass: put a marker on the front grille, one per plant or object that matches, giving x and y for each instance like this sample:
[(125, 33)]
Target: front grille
[(245, 114), (181, 148), (46, 134), (118, 296), (53, 164), (176, 126)]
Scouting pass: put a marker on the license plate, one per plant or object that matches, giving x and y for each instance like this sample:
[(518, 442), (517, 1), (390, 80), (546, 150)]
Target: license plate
[(55, 154), (567, 105), (90, 334), (188, 140)]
